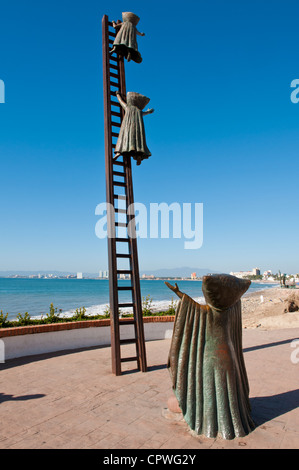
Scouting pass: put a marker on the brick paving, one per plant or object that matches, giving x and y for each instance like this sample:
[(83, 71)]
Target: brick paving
[(70, 400)]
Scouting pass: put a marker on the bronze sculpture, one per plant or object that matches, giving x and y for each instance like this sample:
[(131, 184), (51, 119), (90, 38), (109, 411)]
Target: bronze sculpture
[(131, 139), (125, 42), (206, 361)]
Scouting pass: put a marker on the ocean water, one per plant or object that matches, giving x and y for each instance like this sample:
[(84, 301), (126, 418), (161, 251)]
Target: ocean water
[(35, 295)]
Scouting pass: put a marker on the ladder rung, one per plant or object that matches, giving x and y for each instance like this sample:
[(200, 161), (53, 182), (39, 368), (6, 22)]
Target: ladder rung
[(115, 124), (114, 75), (120, 211), (128, 359), (114, 134), (116, 85), (122, 255), (114, 59), (124, 271), (125, 305), (119, 196), (125, 288), (115, 67), (116, 162), (121, 224), (128, 341), (119, 239), (118, 183), (115, 103), (119, 173), (127, 321), (114, 113)]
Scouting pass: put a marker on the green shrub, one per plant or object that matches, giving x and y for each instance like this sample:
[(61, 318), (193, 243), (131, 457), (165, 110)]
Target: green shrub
[(106, 312), (3, 320), (147, 305), (80, 314), (24, 320), (172, 307), (52, 316)]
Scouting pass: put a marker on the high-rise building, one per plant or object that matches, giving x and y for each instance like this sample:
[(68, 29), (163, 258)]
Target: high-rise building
[(79, 275)]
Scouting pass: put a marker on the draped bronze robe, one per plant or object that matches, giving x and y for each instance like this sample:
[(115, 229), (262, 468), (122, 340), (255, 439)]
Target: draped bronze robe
[(126, 42), (131, 139), (207, 369)]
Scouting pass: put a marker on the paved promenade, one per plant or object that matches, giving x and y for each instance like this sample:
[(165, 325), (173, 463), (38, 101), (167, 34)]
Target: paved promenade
[(71, 400)]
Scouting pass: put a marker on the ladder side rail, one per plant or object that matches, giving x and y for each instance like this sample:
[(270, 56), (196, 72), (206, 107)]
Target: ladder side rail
[(122, 90), (113, 295), (140, 345), (135, 279)]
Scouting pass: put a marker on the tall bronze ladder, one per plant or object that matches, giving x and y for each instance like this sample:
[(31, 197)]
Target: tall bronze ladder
[(122, 247)]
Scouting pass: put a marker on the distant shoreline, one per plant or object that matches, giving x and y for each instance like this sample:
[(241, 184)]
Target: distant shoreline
[(257, 281)]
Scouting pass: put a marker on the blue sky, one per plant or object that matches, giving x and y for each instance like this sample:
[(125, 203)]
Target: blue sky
[(224, 132)]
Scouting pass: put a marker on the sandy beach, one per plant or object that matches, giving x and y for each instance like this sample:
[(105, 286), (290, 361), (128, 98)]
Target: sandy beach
[(269, 308)]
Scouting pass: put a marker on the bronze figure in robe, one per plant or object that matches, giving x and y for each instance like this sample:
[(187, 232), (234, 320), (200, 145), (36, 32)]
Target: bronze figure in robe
[(125, 42), (131, 139), (206, 362)]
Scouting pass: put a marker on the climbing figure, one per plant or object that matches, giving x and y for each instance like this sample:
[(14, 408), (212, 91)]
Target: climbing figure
[(131, 139), (125, 42)]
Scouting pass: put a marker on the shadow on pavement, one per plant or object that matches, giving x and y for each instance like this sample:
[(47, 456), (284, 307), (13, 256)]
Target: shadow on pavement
[(4, 397), (267, 408), (268, 345)]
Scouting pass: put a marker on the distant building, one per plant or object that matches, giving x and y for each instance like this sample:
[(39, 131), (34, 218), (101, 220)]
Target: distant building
[(101, 274), (193, 276), (79, 275), (241, 274), (256, 272)]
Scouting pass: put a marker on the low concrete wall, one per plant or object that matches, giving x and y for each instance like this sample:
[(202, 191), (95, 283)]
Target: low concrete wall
[(28, 341)]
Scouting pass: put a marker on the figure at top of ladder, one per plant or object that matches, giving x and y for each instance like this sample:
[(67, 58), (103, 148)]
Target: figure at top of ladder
[(125, 42), (131, 139)]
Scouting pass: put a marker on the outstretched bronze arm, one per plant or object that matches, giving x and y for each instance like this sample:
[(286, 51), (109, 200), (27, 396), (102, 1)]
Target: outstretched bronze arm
[(121, 101), (148, 111), (175, 289)]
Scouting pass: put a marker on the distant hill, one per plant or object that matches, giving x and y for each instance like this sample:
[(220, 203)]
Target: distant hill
[(178, 272)]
